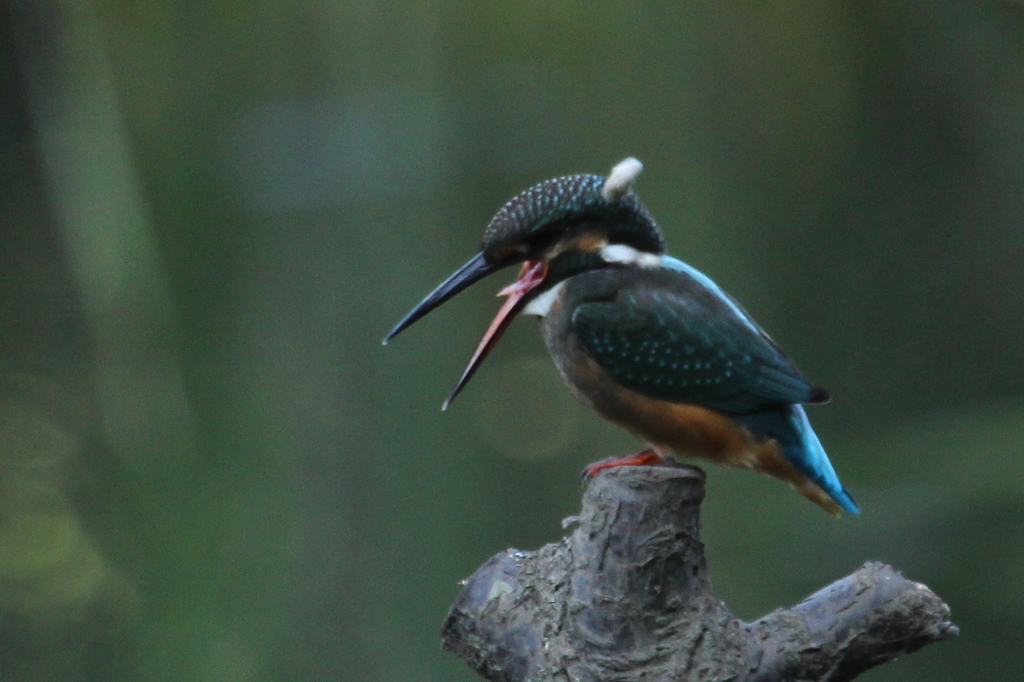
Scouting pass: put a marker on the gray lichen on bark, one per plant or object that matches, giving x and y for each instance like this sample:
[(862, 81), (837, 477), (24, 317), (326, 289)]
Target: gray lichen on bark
[(626, 598)]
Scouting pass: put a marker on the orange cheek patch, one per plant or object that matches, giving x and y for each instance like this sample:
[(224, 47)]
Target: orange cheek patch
[(588, 242), (592, 241)]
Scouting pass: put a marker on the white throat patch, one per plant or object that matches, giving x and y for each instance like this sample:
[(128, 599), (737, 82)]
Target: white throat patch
[(542, 304)]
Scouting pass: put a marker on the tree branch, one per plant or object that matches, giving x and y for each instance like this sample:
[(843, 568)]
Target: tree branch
[(626, 598)]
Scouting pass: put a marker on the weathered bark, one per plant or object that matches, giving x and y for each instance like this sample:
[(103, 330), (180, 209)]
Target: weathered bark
[(626, 597)]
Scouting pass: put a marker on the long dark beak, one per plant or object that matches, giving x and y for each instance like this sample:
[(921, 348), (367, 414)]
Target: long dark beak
[(473, 271), (530, 276)]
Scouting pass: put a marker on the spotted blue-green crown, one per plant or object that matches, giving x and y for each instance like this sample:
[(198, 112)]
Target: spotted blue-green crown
[(543, 213)]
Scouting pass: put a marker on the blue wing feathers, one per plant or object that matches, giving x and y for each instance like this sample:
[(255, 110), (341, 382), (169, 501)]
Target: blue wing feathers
[(667, 334)]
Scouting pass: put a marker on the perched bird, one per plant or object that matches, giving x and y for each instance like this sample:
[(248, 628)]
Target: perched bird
[(647, 341)]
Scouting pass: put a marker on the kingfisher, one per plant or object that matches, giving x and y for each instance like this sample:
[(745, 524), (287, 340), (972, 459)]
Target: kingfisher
[(647, 341)]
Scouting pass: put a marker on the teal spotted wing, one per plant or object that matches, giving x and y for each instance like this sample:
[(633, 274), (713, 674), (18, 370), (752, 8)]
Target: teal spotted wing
[(669, 337)]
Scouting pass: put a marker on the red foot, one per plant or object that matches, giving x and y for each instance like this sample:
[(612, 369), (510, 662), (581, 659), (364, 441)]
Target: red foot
[(648, 456)]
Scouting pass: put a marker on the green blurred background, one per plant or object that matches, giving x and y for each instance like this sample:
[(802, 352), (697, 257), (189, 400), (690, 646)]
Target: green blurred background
[(211, 213)]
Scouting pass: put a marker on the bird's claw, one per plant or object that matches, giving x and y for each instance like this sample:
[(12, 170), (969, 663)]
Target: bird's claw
[(645, 457)]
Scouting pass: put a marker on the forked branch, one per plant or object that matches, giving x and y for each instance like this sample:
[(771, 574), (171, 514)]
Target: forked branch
[(626, 598)]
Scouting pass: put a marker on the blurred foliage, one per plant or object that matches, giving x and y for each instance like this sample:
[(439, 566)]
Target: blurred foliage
[(210, 214)]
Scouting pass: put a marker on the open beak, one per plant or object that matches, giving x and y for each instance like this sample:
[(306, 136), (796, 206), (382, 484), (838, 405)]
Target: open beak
[(473, 271), (530, 276)]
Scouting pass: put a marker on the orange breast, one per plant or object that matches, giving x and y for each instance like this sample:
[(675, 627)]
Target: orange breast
[(684, 429)]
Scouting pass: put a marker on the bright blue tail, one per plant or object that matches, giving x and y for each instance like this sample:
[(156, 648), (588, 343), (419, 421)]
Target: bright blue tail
[(790, 427)]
